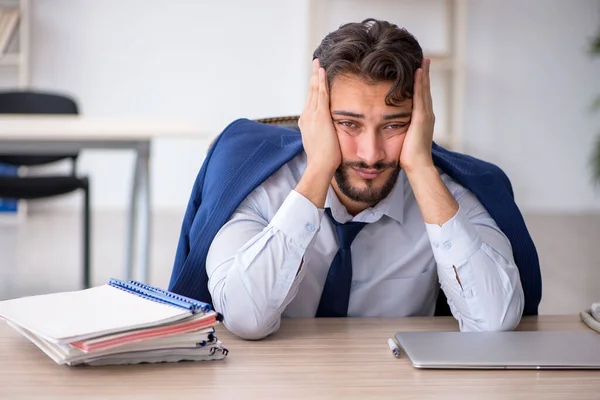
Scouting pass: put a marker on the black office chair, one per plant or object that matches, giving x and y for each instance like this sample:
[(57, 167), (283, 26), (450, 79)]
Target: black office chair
[(17, 187), (441, 307)]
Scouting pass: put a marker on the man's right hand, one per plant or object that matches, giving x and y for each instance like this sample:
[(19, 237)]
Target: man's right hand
[(319, 139)]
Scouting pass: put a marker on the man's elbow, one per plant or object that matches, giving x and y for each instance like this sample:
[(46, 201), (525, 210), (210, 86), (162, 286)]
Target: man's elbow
[(490, 324), (509, 323), (494, 319), (250, 330), (510, 318)]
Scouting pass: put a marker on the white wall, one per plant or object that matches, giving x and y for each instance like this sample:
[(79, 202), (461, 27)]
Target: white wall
[(529, 81), (205, 61), (530, 84)]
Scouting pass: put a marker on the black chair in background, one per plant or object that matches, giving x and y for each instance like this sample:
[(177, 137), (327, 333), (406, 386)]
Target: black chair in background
[(441, 307), (36, 187)]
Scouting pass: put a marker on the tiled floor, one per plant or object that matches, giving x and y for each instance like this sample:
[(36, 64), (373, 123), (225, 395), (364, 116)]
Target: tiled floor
[(43, 255)]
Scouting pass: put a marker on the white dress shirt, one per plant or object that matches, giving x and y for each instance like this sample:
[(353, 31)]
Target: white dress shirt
[(398, 261)]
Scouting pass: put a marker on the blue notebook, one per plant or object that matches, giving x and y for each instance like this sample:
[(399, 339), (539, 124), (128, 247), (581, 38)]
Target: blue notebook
[(160, 295)]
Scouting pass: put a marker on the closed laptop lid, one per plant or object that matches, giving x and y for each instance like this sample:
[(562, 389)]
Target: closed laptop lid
[(504, 350)]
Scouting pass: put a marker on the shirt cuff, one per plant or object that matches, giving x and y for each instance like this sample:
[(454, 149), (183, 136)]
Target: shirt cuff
[(298, 219), (455, 241)]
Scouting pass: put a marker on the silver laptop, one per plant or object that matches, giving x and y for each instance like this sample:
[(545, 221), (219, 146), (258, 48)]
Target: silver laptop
[(502, 350)]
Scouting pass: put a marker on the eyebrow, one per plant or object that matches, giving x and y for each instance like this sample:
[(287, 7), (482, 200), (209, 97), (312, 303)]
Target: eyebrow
[(362, 116)]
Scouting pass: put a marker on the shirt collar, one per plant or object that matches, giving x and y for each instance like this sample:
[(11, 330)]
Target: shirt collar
[(392, 205)]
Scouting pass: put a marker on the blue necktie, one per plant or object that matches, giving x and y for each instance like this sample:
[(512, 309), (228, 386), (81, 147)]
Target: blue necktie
[(336, 293)]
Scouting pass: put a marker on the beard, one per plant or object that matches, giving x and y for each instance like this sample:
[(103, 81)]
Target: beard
[(370, 195)]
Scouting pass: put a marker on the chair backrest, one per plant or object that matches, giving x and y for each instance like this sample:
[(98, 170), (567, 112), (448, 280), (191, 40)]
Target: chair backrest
[(30, 102), (287, 121)]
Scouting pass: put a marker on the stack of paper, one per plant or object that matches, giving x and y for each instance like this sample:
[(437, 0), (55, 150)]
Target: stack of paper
[(117, 323)]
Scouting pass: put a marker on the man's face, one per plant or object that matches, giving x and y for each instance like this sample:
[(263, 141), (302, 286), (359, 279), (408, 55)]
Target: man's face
[(370, 134)]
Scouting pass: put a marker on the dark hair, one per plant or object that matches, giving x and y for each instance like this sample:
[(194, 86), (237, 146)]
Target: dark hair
[(375, 51)]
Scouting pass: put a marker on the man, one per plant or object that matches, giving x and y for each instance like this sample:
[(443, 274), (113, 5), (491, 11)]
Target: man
[(367, 129)]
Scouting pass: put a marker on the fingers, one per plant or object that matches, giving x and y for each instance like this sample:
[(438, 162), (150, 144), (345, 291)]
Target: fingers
[(422, 102), (427, 101), (323, 98), (313, 90), (418, 91)]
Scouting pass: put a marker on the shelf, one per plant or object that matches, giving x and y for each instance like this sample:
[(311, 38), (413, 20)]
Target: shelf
[(16, 57), (440, 61), (10, 59)]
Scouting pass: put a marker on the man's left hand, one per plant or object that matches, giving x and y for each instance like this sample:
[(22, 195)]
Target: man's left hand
[(416, 150)]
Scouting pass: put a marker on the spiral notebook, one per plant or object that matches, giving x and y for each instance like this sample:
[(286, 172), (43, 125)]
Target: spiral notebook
[(115, 307), (138, 321)]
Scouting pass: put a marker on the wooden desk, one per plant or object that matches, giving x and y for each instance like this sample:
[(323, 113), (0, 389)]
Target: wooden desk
[(307, 358), (61, 134)]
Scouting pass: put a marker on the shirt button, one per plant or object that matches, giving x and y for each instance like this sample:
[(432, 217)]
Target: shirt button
[(436, 245), (310, 227), (447, 245)]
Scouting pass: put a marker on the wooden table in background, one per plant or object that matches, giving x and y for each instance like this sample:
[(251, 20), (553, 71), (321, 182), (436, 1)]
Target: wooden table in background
[(64, 134), (307, 358)]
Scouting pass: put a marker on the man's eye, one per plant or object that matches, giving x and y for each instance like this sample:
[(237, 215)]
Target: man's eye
[(395, 126), (347, 124)]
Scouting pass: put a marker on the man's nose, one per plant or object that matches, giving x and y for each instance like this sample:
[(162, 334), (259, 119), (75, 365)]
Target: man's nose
[(369, 148)]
